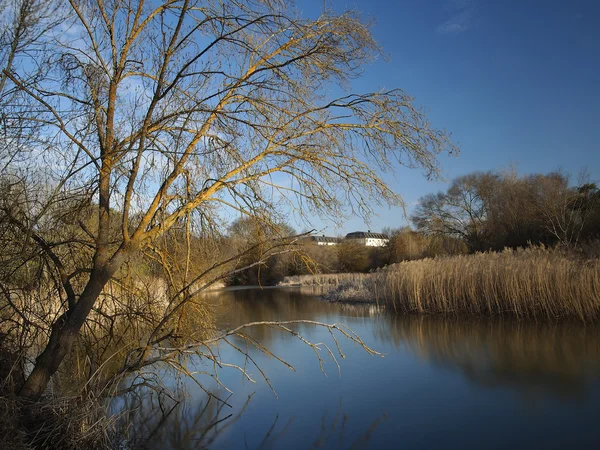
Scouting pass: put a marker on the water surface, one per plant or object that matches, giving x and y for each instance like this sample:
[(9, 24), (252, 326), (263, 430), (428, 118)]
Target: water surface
[(443, 383)]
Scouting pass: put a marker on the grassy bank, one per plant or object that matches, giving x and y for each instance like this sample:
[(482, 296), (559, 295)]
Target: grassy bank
[(527, 283), (53, 422)]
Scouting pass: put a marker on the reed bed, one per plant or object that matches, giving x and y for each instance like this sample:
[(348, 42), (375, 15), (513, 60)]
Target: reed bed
[(55, 423), (324, 280), (527, 283)]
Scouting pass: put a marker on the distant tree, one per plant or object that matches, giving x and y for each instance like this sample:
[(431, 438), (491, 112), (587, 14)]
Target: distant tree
[(493, 211), (441, 245), (569, 213), (253, 238), (316, 259), (589, 204), (406, 244), (352, 257), (461, 212)]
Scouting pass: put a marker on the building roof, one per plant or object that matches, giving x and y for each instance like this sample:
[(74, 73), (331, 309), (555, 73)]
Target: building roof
[(325, 239), (365, 235)]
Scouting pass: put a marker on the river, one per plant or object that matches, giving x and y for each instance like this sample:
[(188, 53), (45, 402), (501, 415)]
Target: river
[(442, 383)]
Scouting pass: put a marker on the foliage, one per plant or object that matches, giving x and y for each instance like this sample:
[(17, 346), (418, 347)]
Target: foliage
[(352, 257), (406, 245), (262, 267), (497, 210)]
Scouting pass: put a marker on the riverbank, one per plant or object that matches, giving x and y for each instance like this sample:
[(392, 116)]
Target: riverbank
[(54, 422), (530, 283)]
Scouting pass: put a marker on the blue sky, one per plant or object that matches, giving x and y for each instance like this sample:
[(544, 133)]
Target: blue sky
[(515, 82)]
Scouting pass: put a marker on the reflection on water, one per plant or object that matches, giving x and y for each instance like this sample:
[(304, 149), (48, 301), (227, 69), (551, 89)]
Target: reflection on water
[(441, 383), (153, 422), (561, 359)]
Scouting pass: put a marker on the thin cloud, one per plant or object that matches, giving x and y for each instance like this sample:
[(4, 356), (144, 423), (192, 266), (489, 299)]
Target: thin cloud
[(463, 17)]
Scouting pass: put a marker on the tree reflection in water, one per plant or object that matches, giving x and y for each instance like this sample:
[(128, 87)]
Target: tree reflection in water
[(549, 362), (556, 358), (549, 358), (151, 421)]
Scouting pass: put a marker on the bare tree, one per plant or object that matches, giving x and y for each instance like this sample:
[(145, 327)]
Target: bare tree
[(562, 207), (24, 25), (497, 210), (460, 212), (162, 114)]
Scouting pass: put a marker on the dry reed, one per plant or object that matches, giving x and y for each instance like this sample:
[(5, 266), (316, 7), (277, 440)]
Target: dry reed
[(55, 423), (527, 283)]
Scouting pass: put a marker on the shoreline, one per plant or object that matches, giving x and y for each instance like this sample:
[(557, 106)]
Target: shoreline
[(533, 283)]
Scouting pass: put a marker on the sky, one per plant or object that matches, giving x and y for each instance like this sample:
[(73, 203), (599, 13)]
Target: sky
[(516, 82)]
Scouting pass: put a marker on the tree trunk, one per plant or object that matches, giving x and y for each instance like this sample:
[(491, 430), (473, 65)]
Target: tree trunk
[(63, 335)]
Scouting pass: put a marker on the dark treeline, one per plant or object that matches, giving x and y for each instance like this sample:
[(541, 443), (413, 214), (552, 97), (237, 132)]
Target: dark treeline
[(349, 257), (482, 211), (492, 211)]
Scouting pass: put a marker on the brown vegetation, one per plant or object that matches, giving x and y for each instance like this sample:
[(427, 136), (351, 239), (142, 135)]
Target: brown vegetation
[(131, 137), (494, 210), (55, 423), (534, 283)]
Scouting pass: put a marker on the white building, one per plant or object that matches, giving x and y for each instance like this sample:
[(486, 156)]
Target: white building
[(369, 239), (324, 240)]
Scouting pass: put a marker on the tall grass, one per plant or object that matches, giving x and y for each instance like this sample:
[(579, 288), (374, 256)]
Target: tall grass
[(527, 283), (324, 280), (53, 422)]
